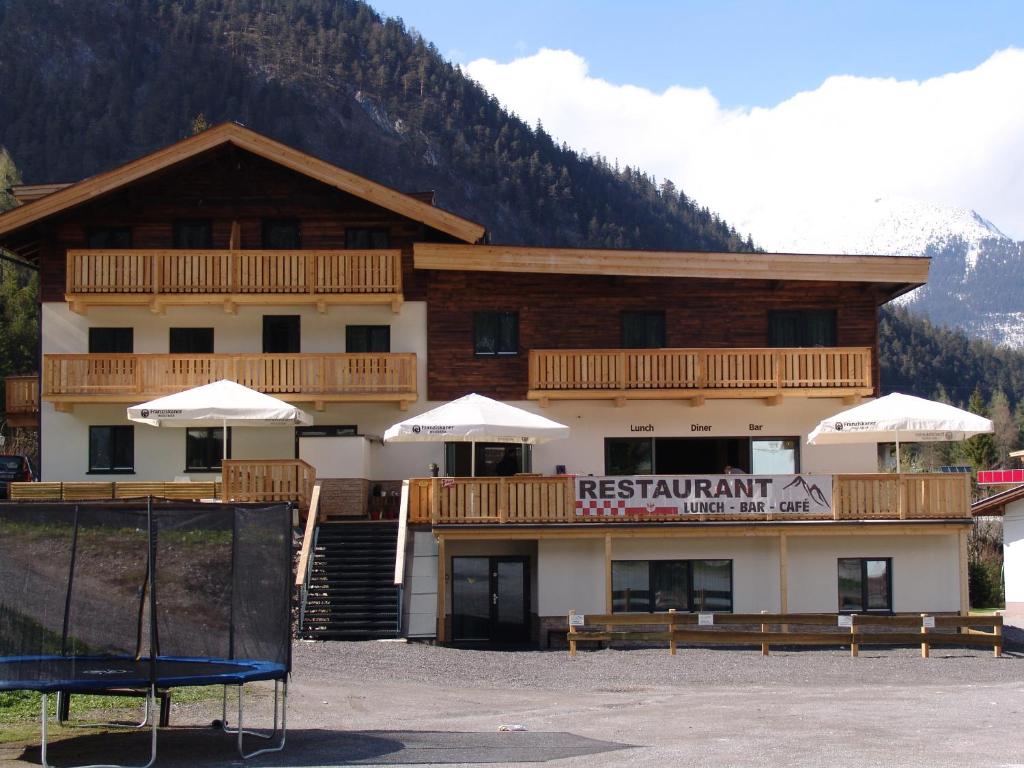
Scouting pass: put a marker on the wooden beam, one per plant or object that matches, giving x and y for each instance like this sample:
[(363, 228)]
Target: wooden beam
[(608, 573), (442, 579), (590, 261)]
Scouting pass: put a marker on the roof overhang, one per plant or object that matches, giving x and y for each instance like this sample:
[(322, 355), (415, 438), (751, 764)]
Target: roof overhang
[(897, 274), (996, 505), (61, 198)]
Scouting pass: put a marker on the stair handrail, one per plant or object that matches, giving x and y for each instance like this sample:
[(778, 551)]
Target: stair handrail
[(403, 524), (304, 569)]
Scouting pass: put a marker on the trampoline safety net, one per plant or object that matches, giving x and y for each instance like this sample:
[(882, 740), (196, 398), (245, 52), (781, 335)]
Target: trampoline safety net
[(144, 580)]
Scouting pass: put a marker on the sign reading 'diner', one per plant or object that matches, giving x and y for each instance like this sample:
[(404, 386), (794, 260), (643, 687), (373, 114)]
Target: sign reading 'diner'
[(681, 495)]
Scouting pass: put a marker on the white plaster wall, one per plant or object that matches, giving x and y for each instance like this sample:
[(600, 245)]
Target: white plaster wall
[(570, 576), (925, 570), (1013, 557), (337, 456)]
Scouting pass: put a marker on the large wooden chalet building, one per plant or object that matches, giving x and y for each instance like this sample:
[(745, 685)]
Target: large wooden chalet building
[(229, 255)]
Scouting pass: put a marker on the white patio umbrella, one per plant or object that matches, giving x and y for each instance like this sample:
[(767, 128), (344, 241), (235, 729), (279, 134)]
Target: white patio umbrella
[(223, 402), (899, 417), (476, 419)]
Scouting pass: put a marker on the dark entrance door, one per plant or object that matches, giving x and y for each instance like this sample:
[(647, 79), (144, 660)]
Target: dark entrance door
[(490, 599)]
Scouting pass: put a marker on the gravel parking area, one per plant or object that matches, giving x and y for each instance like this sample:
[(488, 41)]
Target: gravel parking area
[(405, 703)]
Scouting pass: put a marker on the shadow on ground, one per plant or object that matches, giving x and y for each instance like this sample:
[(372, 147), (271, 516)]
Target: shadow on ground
[(207, 747)]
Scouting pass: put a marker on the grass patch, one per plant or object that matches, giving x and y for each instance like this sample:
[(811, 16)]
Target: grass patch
[(985, 611)]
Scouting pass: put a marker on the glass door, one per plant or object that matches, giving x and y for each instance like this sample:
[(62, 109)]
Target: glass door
[(490, 599)]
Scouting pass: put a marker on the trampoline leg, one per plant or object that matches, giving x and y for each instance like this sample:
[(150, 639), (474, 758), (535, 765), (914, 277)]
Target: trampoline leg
[(44, 729), (284, 723), (224, 715), (64, 709)]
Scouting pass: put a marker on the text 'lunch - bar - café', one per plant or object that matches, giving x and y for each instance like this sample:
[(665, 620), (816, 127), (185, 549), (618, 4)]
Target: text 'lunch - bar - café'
[(689, 382)]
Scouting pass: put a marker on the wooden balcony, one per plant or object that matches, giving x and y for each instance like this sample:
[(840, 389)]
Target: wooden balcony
[(161, 278), (552, 500), (696, 374), (21, 398), (298, 378)]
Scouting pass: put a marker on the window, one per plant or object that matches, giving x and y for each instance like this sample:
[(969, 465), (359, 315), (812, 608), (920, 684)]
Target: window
[(367, 338), (775, 456), (191, 341), (366, 238), (110, 341), (193, 233), (865, 584), (628, 456), (112, 449), (109, 237), (281, 333), (641, 586), (204, 448), (802, 328), (281, 234), (643, 330), (492, 459), (496, 333)]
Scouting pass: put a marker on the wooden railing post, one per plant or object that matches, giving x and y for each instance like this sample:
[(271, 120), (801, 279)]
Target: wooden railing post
[(672, 631), (157, 271), (435, 500), (570, 637), (854, 646), (924, 633), (503, 499)]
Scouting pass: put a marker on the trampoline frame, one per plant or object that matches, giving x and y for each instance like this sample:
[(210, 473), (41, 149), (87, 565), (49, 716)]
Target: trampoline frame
[(259, 670)]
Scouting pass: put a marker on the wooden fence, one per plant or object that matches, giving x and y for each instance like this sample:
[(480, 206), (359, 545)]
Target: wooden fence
[(269, 480), (21, 394), (768, 629)]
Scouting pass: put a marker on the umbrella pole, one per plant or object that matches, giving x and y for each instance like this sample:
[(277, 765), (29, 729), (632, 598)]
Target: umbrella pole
[(897, 452), (224, 443), (472, 458)]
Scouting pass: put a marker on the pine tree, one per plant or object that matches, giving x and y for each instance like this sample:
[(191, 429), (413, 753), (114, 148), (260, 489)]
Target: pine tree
[(980, 451), (9, 176)]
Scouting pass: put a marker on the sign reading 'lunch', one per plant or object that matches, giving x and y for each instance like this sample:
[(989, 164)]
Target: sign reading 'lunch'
[(679, 495)]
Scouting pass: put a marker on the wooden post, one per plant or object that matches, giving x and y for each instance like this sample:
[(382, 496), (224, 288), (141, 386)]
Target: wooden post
[(854, 646), (608, 573), (503, 491), (435, 500), (442, 578), (570, 636), (784, 577), (924, 643), (965, 595), (764, 641), (997, 630), (672, 631)]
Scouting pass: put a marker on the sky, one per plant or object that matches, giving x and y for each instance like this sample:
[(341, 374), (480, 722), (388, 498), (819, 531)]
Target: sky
[(776, 115)]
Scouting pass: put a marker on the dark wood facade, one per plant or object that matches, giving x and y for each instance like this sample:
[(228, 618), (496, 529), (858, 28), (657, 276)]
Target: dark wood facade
[(583, 312)]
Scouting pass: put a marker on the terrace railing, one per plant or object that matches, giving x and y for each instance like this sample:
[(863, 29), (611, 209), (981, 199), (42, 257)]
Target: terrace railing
[(754, 372), (300, 376), (158, 276), (540, 500), (21, 394), (269, 480)]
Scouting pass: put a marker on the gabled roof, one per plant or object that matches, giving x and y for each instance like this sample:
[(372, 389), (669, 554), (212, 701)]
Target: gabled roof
[(894, 274), (996, 505), (233, 133)]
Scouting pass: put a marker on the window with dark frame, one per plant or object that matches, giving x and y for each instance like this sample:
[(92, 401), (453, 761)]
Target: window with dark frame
[(496, 333), (193, 233), (628, 455), (108, 237), (802, 328), (204, 448), (112, 449), (281, 334), (191, 341), (281, 234), (367, 238), (642, 330), (110, 341), (865, 584), (651, 586), (367, 338)]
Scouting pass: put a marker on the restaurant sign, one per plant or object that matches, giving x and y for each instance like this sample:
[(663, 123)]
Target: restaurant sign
[(681, 495)]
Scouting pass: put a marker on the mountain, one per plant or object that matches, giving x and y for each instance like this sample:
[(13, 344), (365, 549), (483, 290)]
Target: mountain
[(89, 84), (976, 282)]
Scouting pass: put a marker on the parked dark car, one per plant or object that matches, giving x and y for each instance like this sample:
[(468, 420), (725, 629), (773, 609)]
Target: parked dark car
[(14, 469)]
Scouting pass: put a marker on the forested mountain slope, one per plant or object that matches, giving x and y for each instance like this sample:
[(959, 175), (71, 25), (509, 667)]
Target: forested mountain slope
[(93, 83)]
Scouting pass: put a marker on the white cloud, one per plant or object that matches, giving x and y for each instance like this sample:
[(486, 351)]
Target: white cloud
[(954, 140)]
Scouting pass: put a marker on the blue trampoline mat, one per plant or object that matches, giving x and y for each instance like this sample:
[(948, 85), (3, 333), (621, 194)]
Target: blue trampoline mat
[(47, 674)]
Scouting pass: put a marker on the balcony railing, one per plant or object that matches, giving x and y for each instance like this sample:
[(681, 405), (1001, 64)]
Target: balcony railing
[(21, 394), (300, 377), (174, 277), (269, 480), (697, 373), (542, 500)]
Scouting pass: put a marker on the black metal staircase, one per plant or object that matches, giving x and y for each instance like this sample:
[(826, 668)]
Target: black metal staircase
[(351, 594)]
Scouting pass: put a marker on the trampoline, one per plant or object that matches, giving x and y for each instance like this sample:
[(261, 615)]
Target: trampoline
[(145, 597)]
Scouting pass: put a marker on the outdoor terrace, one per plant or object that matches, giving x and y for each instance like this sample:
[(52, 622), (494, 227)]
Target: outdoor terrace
[(318, 378), (697, 374), (161, 278)]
